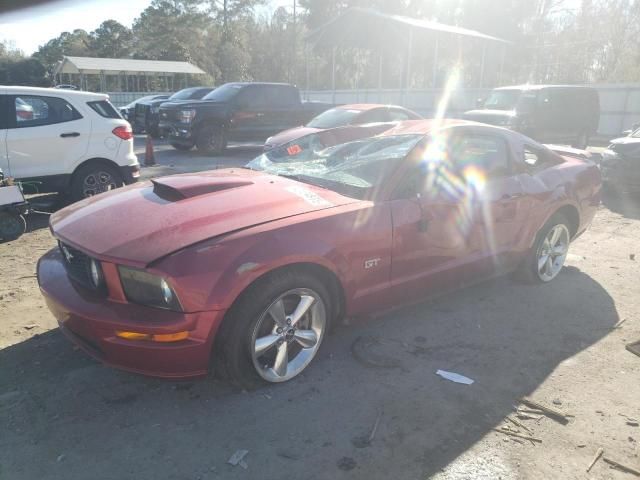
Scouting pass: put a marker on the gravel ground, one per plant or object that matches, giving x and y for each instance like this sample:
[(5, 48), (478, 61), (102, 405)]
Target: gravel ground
[(371, 405)]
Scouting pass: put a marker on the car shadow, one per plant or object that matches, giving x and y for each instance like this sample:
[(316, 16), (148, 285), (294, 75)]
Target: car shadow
[(627, 205), (71, 418)]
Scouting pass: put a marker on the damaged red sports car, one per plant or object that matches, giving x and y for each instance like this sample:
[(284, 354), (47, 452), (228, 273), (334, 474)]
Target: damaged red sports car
[(246, 269)]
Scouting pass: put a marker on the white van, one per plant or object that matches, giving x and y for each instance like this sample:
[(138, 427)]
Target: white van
[(65, 141)]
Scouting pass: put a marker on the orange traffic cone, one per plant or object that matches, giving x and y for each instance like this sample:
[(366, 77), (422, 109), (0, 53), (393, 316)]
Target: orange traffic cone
[(149, 157)]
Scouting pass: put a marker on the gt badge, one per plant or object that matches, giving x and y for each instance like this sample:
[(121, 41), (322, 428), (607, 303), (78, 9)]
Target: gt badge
[(372, 262)]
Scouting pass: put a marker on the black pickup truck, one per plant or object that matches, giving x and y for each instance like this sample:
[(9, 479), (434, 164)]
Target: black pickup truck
[(146, 111), (236, 112)]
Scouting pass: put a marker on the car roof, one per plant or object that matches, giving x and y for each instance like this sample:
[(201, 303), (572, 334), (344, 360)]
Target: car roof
[(424, 127), (53, 92), (245, 84), (363, 107)]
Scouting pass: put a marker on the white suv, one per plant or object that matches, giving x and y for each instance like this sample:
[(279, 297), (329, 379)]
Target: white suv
[(65, 141)]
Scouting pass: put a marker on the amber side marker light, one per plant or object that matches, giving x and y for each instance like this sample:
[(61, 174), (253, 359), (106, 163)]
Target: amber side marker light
[(160, 337)]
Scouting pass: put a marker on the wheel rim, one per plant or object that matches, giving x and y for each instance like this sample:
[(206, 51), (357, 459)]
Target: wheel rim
[(288, 335), (215, 139), (552, 252), (97, 182)]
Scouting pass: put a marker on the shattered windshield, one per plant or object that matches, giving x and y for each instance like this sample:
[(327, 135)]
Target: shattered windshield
[(353, 168)]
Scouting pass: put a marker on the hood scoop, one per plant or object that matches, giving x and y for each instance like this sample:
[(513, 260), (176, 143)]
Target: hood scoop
[(181, 187)]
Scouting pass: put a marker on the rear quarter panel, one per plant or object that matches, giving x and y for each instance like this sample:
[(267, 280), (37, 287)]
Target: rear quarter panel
[(574, 182)]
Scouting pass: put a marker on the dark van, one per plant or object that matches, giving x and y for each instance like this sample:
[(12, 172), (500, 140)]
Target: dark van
[(566, 114)]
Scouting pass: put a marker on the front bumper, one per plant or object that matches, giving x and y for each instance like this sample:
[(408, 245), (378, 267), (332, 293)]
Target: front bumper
[(91, 321), (130, 173), (181, 132)]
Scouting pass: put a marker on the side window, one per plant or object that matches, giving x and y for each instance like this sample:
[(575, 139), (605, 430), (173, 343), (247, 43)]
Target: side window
[(488, 153), (104, 109), (250, 98), (35, 111), (536, 159), (279, 96), (398, 115), (374, 116)]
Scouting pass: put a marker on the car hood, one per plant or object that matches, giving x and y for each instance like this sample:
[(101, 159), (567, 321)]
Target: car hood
[(193, 104), (492, 117), (289, 135), (146, 221), (626, 141)]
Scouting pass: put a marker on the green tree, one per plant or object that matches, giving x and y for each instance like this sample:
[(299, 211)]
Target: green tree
[(111, 40)]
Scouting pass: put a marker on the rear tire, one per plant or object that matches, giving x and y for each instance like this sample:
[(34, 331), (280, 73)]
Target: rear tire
[(181, 146), (240, 354), (546, 258), (12, 226), (212, 139), (94, 178)]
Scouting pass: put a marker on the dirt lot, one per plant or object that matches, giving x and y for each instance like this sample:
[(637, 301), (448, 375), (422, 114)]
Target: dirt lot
[(64, 416)]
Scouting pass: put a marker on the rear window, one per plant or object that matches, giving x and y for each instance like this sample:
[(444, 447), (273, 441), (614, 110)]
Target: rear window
[(104, 109)]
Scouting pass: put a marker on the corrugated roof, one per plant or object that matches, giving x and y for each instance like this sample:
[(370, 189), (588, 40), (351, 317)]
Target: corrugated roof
[(114, 66), (361, 25)]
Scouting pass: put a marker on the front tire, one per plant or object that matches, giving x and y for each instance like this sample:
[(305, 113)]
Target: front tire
[(549, 252), (274, 330), (94, 178), (212, 139)]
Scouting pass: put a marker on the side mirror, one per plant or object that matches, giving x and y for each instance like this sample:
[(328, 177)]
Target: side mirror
[(479, 102)]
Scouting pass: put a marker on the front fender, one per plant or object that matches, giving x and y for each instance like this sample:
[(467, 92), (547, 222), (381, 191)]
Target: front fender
[(212, 275)]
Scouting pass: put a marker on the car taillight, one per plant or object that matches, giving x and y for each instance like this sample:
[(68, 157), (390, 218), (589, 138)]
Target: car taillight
[(123, 132)]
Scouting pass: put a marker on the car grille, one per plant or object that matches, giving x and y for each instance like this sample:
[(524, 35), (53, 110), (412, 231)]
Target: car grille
[(168, 115), (78, 266)]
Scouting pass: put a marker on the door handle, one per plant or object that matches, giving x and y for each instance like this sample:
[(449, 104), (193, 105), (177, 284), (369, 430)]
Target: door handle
[(70, 134)]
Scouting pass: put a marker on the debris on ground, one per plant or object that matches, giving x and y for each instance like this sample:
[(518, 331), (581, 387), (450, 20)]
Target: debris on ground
[(619, 324), (365, 440), (238, 457), (634, 347), (518, 435), (621, 466), (455, 377), (548, 411), (596, 457), (632, 423), (60, 458), (557, 401), (519, 424), (632, 256)]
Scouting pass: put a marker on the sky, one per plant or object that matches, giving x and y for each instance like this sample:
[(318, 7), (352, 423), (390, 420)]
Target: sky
[(31, 27)]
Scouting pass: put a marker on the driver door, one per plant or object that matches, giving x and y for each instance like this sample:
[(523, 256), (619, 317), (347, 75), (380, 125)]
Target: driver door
[(455, 220)]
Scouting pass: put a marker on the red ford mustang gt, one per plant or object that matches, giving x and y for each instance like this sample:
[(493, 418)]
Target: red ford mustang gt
[(246, 269)]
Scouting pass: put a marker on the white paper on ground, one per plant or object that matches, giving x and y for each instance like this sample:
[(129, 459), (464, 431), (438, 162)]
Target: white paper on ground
[(454, 377)]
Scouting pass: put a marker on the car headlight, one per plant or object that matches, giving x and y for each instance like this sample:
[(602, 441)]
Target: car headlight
[(95, 270), (187, 116), (146, 288), (155, 109)]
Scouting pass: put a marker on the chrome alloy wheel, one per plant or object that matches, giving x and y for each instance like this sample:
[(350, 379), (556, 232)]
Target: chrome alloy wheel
[(98, 182), (288, 335), (552, 252)]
